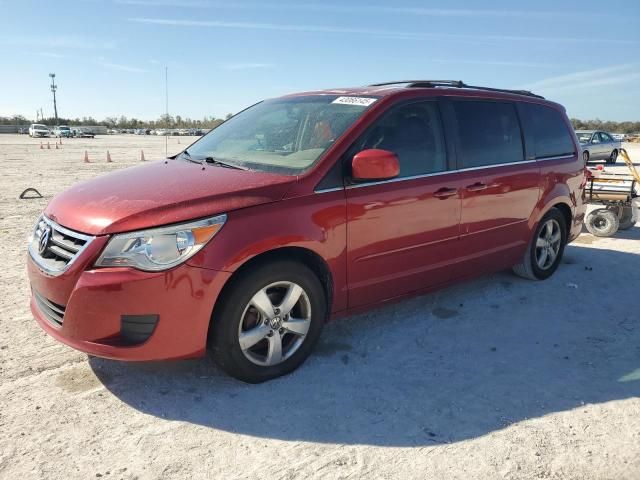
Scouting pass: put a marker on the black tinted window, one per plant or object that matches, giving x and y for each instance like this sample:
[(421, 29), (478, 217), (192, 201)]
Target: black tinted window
[(414, 133), (547, 130), (489, 133)]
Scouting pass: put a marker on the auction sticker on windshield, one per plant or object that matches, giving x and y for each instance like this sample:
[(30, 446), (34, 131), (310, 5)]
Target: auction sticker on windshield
[(363, 101)]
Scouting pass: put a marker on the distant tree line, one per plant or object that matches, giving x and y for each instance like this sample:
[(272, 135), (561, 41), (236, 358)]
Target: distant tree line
[(165, 121), (607, 126), (211, 122)]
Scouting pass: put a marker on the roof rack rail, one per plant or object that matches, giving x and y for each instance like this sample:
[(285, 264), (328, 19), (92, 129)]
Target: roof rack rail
[(454, 84)]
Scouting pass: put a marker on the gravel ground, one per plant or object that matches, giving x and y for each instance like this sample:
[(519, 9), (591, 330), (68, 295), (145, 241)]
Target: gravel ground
[(495, 378)]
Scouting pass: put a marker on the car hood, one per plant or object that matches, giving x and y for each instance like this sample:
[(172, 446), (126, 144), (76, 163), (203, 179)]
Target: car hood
[(161, 193)]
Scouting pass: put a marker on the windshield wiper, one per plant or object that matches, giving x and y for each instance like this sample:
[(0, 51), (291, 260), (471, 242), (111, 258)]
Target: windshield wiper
[(220, 163), (210, 160), (187, 156)]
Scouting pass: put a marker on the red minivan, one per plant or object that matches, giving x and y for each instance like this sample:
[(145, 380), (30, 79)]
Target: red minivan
[(302, 208)]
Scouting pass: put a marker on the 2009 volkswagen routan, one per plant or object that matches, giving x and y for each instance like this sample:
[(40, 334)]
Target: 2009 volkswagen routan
[(302, 208)]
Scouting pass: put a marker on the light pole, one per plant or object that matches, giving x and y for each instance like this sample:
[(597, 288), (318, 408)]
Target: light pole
[(54, 87)]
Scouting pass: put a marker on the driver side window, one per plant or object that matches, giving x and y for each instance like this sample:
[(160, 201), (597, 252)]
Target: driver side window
[(414, 133), (596, 138)]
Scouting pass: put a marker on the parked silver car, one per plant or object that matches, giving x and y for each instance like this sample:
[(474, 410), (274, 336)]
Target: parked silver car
[(597, 145)]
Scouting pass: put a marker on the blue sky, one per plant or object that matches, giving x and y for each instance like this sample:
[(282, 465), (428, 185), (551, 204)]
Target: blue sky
[(109, 55)]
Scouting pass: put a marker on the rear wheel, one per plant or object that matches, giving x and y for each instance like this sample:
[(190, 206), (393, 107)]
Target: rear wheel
[(268, 322), (602, 222), (545, 249), (613, 157)]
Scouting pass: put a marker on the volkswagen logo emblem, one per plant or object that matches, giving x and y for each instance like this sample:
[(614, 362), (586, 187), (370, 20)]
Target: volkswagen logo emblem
[(43, 243)]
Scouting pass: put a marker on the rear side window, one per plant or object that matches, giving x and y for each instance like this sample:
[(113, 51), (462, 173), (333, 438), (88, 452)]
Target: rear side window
[(413, 132), (489, 133), (547, 131)]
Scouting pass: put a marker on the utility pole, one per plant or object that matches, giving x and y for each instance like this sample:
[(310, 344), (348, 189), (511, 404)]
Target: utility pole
[(54, 87), (166, 106)]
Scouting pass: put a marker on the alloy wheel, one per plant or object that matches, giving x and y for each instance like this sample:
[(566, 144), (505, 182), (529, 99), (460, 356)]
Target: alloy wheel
[(274, 323), (548, 244)]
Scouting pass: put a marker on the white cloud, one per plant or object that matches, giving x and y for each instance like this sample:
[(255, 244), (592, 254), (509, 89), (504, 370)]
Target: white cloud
[(59, 41), (397, 34), (612, 75), (123, 68), (245, 66), (494, 63), (167, 3), (47, 54), (379, 9)]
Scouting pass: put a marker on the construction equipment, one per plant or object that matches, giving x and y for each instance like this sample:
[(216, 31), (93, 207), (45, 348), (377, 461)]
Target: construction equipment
[(616, 193)]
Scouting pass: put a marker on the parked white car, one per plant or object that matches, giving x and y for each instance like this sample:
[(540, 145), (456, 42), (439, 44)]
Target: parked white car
[(39, 130), (619, 136), (62, 131)]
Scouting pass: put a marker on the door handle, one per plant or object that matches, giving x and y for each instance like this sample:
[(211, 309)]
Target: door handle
[(476, 187), (445, 193)]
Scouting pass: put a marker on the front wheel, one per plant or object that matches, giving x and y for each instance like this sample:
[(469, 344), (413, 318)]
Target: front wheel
[(545, 248), (268, 322), (585, 157), (613, 157)]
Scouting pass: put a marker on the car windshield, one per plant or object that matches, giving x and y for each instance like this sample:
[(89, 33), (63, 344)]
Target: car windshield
[(584, 137), (63, 128), (40, 127), (286, 135)]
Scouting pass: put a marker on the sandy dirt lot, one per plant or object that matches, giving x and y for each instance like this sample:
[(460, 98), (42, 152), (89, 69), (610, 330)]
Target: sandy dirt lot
[(495, 378)]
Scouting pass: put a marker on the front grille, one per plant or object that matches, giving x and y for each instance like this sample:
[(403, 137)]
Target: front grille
[(52, 311), (54, 247)]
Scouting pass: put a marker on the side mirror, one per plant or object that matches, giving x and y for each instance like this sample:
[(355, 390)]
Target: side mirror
[(374, 164)]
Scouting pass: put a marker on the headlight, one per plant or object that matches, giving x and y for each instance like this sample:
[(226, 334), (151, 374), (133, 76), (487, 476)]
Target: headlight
[(160, 248)]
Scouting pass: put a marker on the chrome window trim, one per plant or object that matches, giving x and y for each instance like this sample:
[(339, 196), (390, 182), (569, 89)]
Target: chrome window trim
[(444, 172), (559, 157), (327, 190), (36, 257)]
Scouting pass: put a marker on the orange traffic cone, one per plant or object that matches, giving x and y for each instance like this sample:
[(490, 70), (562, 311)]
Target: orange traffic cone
[(41, 146), (109, 157), (48, 146), (86, 157), (142, 156), (60, 140)]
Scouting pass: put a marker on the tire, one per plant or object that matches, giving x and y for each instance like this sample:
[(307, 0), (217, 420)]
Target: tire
[(602, 222), (238, 314), (585, 157), (626, 221), (551, 241), (613, 157)]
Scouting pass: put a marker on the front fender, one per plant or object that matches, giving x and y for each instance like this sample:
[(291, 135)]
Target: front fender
[(315, 222)]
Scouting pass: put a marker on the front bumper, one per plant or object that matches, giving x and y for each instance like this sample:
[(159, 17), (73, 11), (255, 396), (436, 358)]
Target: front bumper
[(95, 301)]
